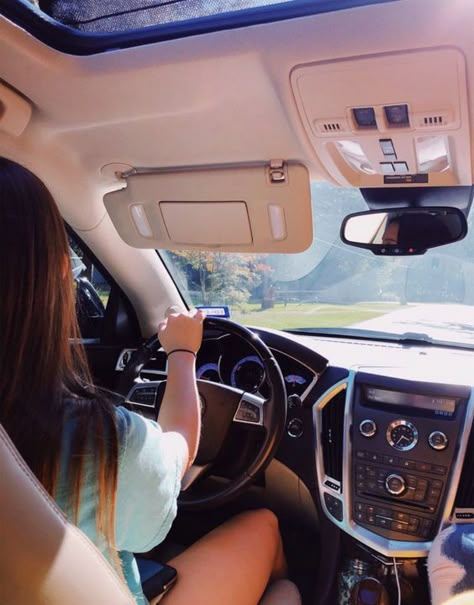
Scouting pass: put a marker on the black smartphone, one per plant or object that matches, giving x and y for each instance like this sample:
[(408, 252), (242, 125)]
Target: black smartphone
[(157, 578)]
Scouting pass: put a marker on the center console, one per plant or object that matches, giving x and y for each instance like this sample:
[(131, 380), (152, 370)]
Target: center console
[(389, 458)]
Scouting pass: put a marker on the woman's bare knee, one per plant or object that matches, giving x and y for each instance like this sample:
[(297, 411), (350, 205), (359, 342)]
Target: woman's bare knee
[(247, 546)]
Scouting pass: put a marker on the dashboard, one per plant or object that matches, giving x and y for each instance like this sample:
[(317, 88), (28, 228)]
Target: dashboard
[(379, 432)]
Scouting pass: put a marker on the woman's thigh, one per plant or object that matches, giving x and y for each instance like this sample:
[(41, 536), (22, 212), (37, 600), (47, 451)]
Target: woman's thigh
[(230, 565)]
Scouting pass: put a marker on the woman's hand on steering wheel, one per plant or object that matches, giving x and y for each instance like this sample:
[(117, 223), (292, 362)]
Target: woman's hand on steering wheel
[(181, 331)]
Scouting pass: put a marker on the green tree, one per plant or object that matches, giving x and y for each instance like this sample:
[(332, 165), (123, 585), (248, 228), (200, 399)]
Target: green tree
[(221, 277)]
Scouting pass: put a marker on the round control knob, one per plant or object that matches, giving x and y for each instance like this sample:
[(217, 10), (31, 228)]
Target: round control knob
[(395, 485), (295, 428), (438, 440), (367, 428), (294, 401)]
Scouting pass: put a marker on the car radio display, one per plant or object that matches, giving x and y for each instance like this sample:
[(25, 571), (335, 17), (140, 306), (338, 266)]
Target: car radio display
[(445, 405)]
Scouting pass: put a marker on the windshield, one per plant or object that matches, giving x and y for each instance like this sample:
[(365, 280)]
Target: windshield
[(332, 285)]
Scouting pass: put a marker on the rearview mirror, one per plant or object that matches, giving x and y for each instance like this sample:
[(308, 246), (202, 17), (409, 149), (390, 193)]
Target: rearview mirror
[(403, 231)]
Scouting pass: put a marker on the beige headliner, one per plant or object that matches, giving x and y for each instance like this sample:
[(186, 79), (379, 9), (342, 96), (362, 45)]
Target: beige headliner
[(218, 98)]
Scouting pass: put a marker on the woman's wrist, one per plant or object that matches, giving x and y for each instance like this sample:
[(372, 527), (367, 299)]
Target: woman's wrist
[(180, 351)]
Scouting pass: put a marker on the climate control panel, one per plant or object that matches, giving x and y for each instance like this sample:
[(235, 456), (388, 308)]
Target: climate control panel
[(389, 456), (400, 465)]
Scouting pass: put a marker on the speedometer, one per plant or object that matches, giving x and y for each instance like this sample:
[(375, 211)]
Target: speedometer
[(248, 374), (208, 371)]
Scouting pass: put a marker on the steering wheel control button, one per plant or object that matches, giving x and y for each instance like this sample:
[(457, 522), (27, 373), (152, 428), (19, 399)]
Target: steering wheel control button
[(295, 428), (395, 485), (143, 395), (248, 412), (367, 428), (334, 506), (438, 441), (402, 435)]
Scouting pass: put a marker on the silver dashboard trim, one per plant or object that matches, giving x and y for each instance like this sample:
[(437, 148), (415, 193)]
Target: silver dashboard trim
[(384, 546), (448, 514)]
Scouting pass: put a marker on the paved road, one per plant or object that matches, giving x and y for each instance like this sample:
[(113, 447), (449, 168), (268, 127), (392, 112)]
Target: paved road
[(440, 322)]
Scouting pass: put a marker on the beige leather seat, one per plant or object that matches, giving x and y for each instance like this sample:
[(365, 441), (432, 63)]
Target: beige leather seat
[(45, 560)]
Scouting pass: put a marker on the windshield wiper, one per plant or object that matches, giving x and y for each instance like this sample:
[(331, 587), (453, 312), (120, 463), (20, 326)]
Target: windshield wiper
[(407, 338)]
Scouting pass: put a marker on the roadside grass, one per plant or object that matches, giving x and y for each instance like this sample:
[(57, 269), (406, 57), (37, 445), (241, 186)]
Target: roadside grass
[(309, 315)]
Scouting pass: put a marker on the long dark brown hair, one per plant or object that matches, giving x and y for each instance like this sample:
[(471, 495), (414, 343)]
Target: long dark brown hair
[(44, 376)]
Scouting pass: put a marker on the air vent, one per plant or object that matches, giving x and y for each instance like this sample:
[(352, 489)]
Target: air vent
[(330, 127), (437, 119), (429, 120), (332, 436), (465, 494)]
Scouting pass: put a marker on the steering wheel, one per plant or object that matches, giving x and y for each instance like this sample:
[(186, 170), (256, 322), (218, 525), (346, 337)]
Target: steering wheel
[(221, 406)]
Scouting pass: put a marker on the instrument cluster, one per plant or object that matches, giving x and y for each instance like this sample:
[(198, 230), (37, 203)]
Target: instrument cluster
[(229, 361)]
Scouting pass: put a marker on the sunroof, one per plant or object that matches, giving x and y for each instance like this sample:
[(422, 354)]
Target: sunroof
[(125, 15), (91, 26)]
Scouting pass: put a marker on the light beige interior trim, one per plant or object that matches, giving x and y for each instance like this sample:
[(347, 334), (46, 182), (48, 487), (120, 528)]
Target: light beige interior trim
[(15, 112), (44, 560)]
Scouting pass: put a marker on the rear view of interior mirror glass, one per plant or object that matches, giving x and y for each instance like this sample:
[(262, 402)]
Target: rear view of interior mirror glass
[(404, 231)]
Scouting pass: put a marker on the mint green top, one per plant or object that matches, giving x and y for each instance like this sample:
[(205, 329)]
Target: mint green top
[(149, 478)]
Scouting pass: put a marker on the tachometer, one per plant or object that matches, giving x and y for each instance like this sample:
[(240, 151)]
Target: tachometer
[(248, 374), (208, 371)]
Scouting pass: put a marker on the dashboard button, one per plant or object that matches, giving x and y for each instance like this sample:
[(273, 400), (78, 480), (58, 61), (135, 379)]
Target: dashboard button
[(438, 440), (375, 457), (295, 428), (294, 401), (395, 485), (367, 428), (413, 525), (383, 522), (423, 467), (438, 470), (334, 506), (392, 460), (409, 464)]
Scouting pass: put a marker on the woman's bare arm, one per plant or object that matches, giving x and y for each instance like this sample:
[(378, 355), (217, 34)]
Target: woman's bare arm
[(180, 408)]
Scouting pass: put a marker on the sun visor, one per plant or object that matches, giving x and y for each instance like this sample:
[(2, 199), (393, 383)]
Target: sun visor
[(243, 208)]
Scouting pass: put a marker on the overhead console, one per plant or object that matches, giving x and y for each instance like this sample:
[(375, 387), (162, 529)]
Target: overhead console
[(389, 119), (390, 456)]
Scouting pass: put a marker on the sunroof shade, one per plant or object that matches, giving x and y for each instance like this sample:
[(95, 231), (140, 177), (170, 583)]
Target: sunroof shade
[(123, 15), (85, 27)]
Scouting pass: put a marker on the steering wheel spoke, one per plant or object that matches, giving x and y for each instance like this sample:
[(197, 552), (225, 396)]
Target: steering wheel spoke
[(192, 474), (144, 397)]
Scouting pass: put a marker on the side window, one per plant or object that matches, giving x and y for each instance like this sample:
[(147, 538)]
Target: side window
[(92, 292)]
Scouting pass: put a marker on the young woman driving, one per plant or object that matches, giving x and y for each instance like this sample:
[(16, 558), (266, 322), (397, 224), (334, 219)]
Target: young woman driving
[(115, 474)]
